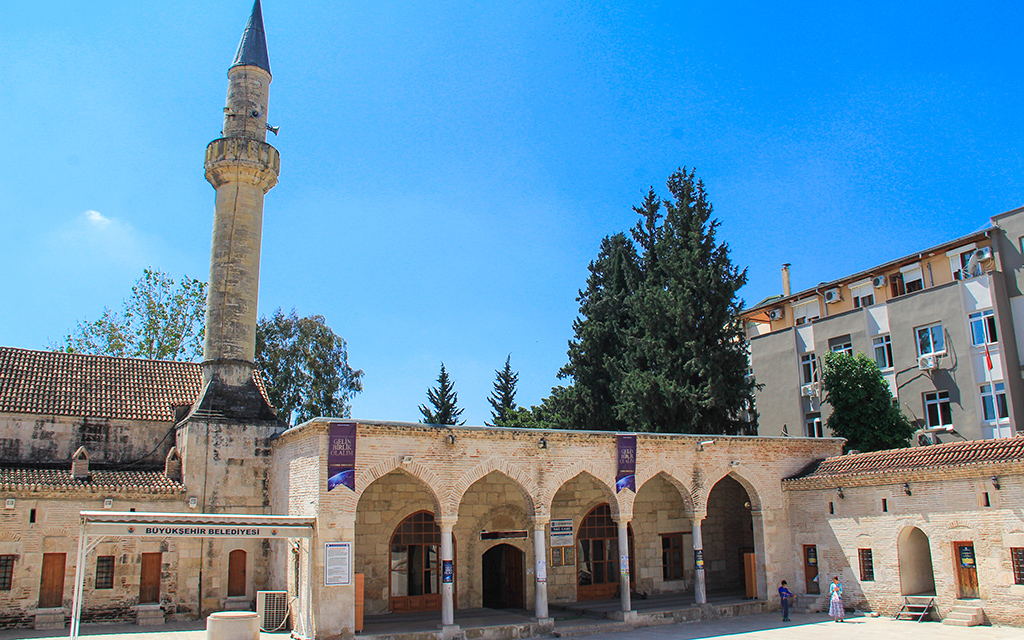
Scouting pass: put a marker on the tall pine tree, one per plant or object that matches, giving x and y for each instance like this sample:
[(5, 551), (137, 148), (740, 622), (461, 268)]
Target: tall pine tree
[(659, 345), (503, 398), (443, 401)]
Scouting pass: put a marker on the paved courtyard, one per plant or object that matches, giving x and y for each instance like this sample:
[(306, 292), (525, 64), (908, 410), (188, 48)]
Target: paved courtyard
[(761, 627)]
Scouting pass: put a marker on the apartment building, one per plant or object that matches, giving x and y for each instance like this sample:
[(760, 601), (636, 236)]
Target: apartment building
[(941, 323)]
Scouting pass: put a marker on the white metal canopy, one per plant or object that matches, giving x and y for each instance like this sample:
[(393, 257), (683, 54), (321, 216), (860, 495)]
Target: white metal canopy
[(128, 524)]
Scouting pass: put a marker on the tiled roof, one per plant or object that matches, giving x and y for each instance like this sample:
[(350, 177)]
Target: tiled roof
[(99, 480), (947, 455), (73, 384)]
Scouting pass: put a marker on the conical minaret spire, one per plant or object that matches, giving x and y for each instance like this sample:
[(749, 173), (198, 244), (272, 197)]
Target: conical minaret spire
[(242, 167)]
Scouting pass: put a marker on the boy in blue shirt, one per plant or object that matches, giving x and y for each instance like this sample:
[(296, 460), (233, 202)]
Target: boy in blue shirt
[(786, 596)]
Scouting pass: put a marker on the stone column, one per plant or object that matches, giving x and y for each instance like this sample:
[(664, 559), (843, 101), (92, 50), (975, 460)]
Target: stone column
[(627, 604), (699, 588), (447, 581), (540, 556)]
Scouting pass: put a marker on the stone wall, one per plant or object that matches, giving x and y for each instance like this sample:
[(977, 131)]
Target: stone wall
[(29, 438)]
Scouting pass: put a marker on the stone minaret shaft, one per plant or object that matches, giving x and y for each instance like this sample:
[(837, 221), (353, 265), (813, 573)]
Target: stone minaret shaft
[(242, 167)]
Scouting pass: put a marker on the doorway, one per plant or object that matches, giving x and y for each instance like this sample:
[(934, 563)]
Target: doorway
[(915, 557), (51, 581), (597, 557), (236, 573), (503, 577), (966, 570), (811, 583), (149, 581)]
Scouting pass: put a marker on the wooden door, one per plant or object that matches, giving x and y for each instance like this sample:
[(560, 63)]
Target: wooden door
[(966, 570), (514, 571), (236, 573), (149, 581), (811, 583), (750, 575), (51, 582)]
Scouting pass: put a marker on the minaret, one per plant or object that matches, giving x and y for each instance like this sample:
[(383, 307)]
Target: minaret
[(242, 167)]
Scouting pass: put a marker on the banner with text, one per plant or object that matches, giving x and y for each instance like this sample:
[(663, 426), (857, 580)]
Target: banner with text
[(626, 477), (341, 455)]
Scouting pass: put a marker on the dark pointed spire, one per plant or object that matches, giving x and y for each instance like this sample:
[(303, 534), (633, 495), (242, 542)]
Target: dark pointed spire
[(252, 50)]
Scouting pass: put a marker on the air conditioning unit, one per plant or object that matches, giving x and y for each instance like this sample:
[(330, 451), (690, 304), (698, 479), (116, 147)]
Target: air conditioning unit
[(832, 296), (810, 390), (927, 363), (878, 281), (984, 253), (272, 609), (777, 314)]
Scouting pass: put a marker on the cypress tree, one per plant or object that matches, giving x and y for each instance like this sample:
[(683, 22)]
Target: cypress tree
[(503, 398), (443, 401)]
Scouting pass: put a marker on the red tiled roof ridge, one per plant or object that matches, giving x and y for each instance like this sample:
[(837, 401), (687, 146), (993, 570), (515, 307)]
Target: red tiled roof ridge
[(75, 354), (938, 455)]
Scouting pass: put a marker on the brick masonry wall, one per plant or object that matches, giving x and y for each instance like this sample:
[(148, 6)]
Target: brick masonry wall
[(946, 505)]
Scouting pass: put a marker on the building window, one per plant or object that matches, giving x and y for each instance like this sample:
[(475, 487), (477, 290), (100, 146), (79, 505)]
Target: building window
[(1017, 557), (672, 556), (883, 351), (936, 408), (812, 423), (993, 404), (806, 312), (930, 339), (958, 264), (896, 287), (6, 572), (864, 301), (983, 328), (105, 572), (913, 278), (809, 368), (863, 293), (867, 565), (842, 346), (885, 505)]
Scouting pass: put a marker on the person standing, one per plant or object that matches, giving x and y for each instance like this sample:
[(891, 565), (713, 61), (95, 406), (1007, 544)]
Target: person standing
[(786, 597), (835, 607)]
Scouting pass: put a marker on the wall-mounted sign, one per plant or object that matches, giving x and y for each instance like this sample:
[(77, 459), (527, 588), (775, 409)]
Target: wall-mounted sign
[(967, 557), (542, 570), (698, 559), (561, 533), (812, 556), (341, 455), (447, 571), (337, 564), (626, 477)]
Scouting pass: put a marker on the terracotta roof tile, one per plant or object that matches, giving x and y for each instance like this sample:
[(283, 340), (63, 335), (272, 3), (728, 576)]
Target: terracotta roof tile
[(75, 384), (950, 454), (17, 479)]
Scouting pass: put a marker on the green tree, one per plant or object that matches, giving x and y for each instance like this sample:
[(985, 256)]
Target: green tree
[(658, 343), (503, 398), (862, 405), (305, 367), (443, 401), (161, 320)]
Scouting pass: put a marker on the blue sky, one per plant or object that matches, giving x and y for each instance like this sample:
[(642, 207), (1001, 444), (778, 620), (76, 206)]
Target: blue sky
[(449, 168)]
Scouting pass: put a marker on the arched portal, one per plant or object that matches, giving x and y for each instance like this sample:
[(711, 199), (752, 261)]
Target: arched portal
[(504, 573), (728, 532), (416, 564), (915, 556), (597, 548), (663, 527)]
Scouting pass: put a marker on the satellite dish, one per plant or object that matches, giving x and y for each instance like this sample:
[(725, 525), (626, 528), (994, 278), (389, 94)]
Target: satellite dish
[(973, 267)]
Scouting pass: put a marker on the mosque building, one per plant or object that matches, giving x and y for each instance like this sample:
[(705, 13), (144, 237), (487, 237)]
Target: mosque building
[(149, 491)]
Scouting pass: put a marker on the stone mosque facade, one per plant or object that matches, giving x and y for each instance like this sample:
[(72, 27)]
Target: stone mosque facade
[(444, 518)]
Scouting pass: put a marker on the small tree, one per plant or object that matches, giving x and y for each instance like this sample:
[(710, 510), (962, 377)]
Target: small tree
[(161, 320), (862, 406), (503, 398), (305, 367), (443, 399)]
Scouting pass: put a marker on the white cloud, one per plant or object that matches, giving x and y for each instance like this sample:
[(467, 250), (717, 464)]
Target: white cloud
[(96, 218)]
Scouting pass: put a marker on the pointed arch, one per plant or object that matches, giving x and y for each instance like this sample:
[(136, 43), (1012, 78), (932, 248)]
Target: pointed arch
[(753, 488), (671, 474), (520, 478), (569, 473), (415, 470)]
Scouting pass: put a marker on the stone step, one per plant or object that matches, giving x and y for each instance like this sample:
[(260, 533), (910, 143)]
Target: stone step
[(965, 616), (590, 629)]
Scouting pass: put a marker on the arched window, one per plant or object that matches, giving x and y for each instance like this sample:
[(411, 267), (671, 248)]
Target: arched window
[(236, 573), (416, 564), (597, 560)]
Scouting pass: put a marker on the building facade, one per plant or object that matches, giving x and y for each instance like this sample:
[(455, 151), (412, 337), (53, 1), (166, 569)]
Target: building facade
[(941, 324)]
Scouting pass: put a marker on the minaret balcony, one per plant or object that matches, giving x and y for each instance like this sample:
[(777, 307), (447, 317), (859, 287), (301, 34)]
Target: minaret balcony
[(242, 160)]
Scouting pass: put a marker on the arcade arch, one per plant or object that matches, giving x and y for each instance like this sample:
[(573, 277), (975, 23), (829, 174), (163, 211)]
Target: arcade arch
[(663, 546), (915, 558), (729, 535)]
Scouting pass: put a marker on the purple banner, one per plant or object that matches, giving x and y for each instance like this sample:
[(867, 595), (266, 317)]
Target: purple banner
[(626, 477), (341, 455)]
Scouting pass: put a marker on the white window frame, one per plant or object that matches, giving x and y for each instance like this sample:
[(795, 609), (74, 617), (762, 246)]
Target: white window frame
[(883, 342), (846, 347), (937, 399), (813, 427), (930, 328), (806, 360), (802, 311), (986, 321), (958, 260), (912, 273), (860, 290), (994, 403)]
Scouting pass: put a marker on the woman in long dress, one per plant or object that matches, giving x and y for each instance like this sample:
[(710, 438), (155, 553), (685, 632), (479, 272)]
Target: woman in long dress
[(835, 607)]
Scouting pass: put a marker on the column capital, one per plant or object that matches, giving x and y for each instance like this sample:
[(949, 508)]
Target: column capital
[(447, 523), (539, 522), (622, 518)]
